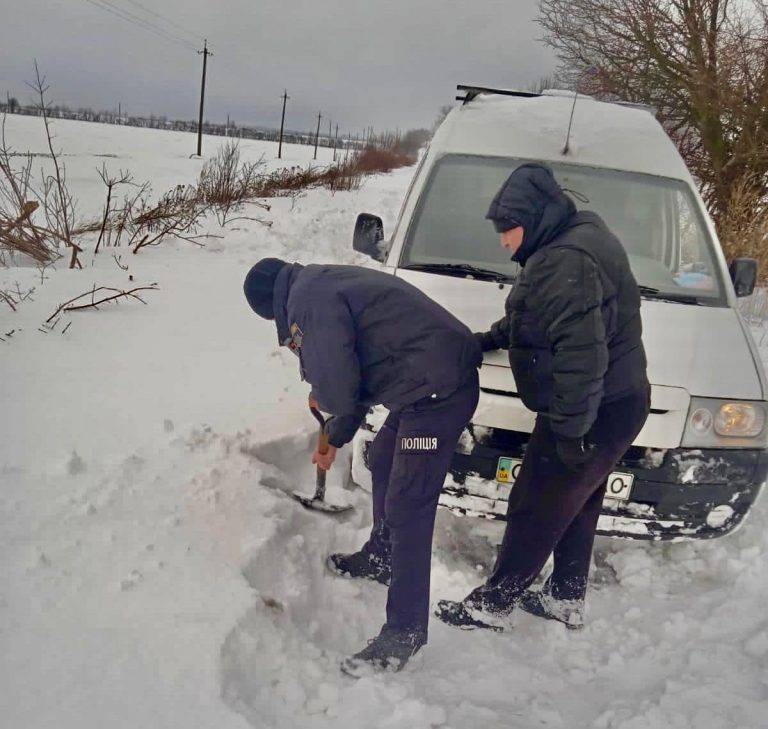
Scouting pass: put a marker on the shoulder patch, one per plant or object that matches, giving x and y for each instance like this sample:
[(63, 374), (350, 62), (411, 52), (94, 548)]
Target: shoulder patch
[(295, 340)]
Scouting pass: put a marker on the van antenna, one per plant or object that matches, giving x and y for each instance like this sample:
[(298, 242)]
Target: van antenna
[(570, 122), (589, 71)]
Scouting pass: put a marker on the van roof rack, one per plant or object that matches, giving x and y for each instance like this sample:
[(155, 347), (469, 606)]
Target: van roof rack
[(472, 92)]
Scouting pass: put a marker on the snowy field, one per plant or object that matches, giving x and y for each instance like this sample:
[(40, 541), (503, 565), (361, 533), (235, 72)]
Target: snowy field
[(155, 573)]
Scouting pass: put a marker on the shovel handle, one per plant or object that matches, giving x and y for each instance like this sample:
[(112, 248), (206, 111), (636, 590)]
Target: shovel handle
[(322, 448), (322, 442), (322, 439)]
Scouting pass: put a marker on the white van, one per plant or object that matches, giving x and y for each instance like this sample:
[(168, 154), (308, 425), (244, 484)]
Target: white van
[(700, 461)]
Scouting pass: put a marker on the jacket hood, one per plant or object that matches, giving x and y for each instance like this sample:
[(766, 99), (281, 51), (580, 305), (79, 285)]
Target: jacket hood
[(283, 283), (531, 198)]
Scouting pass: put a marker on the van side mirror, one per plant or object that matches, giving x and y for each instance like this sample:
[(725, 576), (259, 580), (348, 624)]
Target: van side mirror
[(744, 275), (369, 233)]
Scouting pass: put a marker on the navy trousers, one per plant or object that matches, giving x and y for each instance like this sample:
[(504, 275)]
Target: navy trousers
[(409, 459), (554, 510)]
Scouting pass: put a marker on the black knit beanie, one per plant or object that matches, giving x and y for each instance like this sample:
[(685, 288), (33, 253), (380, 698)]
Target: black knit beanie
[(260, 284)]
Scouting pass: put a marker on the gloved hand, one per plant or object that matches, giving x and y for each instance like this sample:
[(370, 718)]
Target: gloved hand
[(574, 452), (485, 340)]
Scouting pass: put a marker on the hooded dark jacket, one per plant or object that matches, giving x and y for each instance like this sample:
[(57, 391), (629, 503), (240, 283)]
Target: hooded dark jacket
[(572, 323), (367, 338)]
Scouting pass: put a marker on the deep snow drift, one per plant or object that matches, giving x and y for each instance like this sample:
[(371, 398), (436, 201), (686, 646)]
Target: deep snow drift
[(156, 573)]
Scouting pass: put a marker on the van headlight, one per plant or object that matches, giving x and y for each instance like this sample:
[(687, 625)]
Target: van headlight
[(725, 424)]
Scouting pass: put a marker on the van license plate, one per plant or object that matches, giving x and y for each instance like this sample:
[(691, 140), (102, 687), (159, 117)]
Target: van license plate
[(619, 484)]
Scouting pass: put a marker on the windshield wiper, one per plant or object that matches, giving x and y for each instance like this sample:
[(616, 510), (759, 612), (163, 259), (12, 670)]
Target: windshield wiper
[(459, 269), (650, 292)]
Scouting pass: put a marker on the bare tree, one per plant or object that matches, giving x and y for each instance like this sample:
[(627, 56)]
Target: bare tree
[(552, 81), (58, 203), (703, 64)]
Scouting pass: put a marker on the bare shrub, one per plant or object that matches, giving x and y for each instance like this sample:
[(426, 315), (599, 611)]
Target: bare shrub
[(178, 214), (372, 160), (120, 221), (20, 199), (225, 183), (14, 297), (111, 182), (18, 233), (8, 299), (342, 176)]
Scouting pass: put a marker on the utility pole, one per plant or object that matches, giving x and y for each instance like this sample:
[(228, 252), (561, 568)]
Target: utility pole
[(205, 53), (335, 142), (282, 125), (317, 135)]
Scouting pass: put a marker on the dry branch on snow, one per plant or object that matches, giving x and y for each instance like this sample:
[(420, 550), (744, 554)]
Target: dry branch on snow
[(112, 294)]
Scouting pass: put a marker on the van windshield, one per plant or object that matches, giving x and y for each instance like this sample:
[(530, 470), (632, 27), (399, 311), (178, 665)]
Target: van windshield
[(656, 219)]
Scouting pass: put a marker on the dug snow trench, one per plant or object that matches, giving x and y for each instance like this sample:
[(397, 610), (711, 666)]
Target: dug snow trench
[(676, 634)]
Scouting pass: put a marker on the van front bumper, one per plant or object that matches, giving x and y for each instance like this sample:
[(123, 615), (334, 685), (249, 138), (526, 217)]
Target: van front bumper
[(677, 493)]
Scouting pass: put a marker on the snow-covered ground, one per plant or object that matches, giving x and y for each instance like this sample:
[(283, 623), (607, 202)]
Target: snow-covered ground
[(155, 573)]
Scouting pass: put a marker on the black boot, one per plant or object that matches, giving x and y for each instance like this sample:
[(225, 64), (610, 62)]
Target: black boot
[(363, 564), (543, 605), (388, 651), (485, 607), (457, 614), (372, 562)]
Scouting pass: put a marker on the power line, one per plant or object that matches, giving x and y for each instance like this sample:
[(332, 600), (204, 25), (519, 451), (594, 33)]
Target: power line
[(135, 21), (166, 20), (138, 22), (143, 22)]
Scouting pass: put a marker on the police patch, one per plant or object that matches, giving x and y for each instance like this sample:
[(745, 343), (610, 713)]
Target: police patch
[(418, 444), (294, 341), (297, 336)]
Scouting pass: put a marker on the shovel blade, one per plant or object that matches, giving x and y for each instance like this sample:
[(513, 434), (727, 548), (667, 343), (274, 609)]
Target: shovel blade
[(310, 502)]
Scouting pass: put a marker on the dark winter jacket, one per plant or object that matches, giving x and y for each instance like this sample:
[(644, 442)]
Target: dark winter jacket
[(572, 322), (366, 338)]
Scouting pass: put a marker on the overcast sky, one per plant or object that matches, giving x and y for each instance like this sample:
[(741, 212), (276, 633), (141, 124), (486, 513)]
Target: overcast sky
[(365, 62)]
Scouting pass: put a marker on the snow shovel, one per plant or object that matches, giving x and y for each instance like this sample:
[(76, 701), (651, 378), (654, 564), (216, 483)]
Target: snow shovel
[(318, 502)]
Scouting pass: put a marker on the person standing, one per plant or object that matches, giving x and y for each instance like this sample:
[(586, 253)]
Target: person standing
[(366, 338), (573, 330)]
